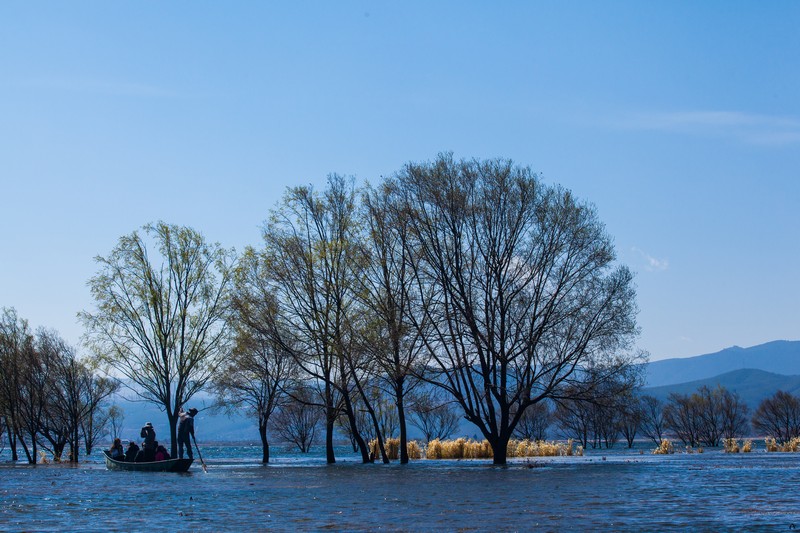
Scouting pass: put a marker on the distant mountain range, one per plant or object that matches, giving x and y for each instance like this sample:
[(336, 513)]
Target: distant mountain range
[(777, 357)]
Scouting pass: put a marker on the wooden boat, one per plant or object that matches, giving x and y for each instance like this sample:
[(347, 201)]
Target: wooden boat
[(170, 465)]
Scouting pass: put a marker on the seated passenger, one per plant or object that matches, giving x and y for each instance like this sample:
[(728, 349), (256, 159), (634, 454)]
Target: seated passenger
[(116, 452), (130, 454), (161, 454)]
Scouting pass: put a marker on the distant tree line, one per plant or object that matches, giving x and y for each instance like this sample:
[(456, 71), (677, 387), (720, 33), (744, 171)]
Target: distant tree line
[(50, 399)]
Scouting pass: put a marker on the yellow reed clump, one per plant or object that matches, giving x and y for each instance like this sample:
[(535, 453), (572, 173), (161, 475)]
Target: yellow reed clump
[(540, 448), (414, 450), (730, 446), (747, 447), (791, 446), (392, 448), (770, 445), (434, 450), (664, 448)]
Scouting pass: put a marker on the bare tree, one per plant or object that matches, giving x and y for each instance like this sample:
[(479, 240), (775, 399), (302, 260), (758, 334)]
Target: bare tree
[(573, 417), (159, 321), (254, 376), (299, 418), (734, 415), (778, 416), (16, 341), (652, 423), (631, 416), (682, 416), (309, 258), (527, 294), (385, 290), (116, 418), (435, 416), (534, 422)]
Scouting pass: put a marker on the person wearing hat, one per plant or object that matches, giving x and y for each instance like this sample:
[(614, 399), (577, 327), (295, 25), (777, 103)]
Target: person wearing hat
[(149, 445), (185, 430)]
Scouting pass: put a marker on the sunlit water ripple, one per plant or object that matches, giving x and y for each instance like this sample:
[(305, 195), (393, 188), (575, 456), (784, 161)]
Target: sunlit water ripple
[(616, 491)]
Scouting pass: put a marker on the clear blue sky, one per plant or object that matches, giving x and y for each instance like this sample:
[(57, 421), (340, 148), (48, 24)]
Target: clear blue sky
[(680, 121)]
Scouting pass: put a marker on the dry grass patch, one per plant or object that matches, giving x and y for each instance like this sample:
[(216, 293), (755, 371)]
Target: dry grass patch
[(665, 448)]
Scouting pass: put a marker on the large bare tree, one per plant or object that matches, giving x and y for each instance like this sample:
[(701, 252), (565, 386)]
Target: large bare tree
[(527, 292), (309, 260), (385, 283), (161, 297)]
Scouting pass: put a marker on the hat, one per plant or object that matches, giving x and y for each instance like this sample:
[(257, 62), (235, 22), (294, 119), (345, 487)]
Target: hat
[(149, 424), (192, 411)]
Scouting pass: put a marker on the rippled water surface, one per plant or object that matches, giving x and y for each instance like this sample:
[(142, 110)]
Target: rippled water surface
[(617, 491)]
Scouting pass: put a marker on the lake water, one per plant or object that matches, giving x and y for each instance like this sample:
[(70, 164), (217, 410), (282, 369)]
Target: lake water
[(614, 491)]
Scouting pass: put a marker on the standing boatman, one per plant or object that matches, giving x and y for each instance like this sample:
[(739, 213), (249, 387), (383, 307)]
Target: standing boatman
[(185, 430)]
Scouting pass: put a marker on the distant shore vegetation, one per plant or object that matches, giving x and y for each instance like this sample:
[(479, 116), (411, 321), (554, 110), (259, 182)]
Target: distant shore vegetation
[(451, 290)]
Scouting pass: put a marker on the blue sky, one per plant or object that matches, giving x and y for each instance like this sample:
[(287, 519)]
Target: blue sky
[(680, 121)]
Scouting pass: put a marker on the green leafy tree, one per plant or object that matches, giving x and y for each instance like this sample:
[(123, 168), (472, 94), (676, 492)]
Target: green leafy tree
[(161, 297)]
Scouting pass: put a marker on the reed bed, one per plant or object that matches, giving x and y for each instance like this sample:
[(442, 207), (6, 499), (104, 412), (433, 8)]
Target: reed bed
[(790, 446), (392, 446), (463, 448), (732, 446)]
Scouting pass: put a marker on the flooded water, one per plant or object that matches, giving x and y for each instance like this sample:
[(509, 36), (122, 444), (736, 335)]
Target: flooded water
[(618, 491)]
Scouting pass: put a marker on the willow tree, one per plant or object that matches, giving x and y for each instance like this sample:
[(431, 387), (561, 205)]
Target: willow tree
[(527, 296), (161, 299)]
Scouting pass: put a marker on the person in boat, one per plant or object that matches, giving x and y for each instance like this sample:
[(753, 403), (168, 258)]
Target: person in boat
[(116, 451), (186, 430), (148, 433), (132, 451), (162, 454)]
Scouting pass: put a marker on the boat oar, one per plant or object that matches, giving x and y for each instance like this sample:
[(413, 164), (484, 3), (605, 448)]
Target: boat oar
[(200, 455)]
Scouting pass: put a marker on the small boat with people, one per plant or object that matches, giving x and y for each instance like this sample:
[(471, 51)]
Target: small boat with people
[(152, 457), (168, 465)]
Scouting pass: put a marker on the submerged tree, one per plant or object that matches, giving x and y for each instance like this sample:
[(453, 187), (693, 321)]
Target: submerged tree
[(534, 422), (386, 281), (299, 418), (161, 298), (526, 293), (254, 375), (435, 416), (16, 345), (309, 259), (778, 416), (652, 422)]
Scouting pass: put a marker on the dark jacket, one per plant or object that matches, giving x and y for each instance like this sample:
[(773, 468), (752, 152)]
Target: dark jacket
[(130, 455), (186, 427), (149, 436)]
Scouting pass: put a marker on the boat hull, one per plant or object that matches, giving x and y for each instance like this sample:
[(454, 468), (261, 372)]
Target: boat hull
[(170, 465)]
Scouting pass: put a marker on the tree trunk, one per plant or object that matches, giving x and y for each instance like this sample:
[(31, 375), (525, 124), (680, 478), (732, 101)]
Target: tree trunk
[(499, 450), (31, 460), (12, 442), (173, 433), (262, 431), (351, 417), (401, 415), (330, 419)]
